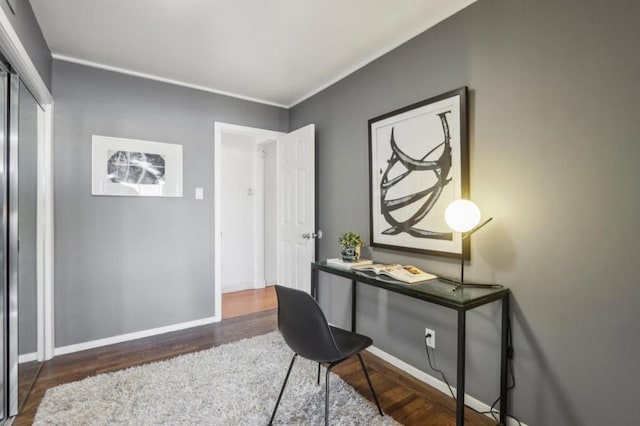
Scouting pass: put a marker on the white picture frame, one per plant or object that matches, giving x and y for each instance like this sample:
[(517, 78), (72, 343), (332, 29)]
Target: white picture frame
[(135, 168)]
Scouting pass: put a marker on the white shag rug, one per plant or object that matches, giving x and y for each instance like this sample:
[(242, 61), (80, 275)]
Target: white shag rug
[(232, 384)]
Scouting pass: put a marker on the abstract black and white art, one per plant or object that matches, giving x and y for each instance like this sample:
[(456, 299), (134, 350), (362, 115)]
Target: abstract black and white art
[(418, 166), (136, 168)]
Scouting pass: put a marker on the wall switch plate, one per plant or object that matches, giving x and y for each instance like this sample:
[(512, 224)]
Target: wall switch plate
[(199, 194), (431, 340)]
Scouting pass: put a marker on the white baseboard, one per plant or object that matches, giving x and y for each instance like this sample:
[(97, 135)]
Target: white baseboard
[(231, 288), (33, 356), (132, 336), (433, 382)]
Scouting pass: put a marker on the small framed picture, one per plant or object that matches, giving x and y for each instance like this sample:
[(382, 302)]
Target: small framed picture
[(129, 167), (418, 159)]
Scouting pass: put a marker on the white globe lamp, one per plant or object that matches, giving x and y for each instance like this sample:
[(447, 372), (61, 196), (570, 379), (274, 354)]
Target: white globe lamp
[(462, 215)]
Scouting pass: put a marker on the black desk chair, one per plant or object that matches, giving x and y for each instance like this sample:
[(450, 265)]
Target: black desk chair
[(306, 331)]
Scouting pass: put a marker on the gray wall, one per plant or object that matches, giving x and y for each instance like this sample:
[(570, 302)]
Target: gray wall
[(26, 26), (125, 264), (554, 148)]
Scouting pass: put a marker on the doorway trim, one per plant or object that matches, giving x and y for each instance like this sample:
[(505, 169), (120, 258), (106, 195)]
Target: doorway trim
[(219, 128), (20, 60)]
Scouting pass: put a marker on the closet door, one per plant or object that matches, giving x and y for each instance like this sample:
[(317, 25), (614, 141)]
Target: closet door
[(13, 243), (29, 361), (4, 202), (19, 256)]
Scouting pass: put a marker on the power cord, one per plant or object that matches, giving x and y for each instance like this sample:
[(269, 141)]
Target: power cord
[(492, 410), (426, 347)]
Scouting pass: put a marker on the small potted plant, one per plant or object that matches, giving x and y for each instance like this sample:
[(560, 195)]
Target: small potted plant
[(351, 244)]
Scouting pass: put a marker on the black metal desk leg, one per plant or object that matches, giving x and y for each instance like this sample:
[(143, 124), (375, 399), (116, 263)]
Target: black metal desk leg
[(314, 283), (462, 333), (503, 359), (353, 305)]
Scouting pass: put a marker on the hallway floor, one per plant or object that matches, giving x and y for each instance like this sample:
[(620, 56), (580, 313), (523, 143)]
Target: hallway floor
[(248, 302)]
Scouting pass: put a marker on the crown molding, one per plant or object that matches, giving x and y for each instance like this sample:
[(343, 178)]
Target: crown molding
[(162, 79)]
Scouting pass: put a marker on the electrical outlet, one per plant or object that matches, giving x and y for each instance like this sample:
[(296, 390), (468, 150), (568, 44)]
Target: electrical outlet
[(430, 335)]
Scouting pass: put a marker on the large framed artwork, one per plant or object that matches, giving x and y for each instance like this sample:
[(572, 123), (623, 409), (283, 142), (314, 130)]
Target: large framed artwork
[(132, 167), (418, 159)]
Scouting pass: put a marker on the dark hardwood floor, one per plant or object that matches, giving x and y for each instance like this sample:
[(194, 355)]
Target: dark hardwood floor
[(406, 399)]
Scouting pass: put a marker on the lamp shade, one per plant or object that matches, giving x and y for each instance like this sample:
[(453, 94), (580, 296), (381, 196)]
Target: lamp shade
[(462, 215)]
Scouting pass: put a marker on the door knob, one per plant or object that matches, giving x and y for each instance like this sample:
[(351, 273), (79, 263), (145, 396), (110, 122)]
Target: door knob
[(312, 235)]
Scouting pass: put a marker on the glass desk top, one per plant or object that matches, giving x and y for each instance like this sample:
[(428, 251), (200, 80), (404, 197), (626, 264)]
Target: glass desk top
[(439, 290)]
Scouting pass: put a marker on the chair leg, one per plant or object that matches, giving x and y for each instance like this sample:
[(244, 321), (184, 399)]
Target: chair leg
[(375, 397), (326, 398), (273, 415), (318, 374)]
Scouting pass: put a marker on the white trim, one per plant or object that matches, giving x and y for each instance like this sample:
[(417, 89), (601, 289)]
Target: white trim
[(19, 58), (40, 231), (217, 221), (247, 131), (17, 55), (162, 79), (41, 224), (454, 7), (219, 128), (33, 356), (131, 336), (433, 382), (46, 181)]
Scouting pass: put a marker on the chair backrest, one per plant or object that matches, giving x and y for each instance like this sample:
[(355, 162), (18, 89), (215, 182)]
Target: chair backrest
[(304, 326)]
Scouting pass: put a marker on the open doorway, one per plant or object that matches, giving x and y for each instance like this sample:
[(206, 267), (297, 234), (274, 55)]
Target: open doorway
[(246, 217), (248, 193), (264, 208)]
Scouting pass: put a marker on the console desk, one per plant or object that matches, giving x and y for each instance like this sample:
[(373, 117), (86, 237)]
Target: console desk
[(438, 292)]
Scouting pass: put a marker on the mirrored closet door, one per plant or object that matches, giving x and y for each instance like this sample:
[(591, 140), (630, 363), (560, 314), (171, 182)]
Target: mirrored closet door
[(29, 355), (4, 283), (20, 329)]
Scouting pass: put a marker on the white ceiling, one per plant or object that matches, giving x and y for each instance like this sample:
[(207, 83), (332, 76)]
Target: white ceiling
[(273, 51)]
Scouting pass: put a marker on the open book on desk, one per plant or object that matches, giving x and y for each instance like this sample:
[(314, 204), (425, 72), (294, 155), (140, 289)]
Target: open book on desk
[(407, 273), (343, 264)]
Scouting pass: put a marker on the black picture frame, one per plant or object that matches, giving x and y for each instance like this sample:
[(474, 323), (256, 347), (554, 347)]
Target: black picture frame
[(418, 165)]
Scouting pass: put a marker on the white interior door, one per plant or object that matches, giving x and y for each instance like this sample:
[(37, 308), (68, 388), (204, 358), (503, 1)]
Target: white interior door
[(296, 207)]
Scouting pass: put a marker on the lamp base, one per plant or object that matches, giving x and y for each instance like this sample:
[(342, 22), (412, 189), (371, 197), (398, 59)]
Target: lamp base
[(449, 280), (460, 285)]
